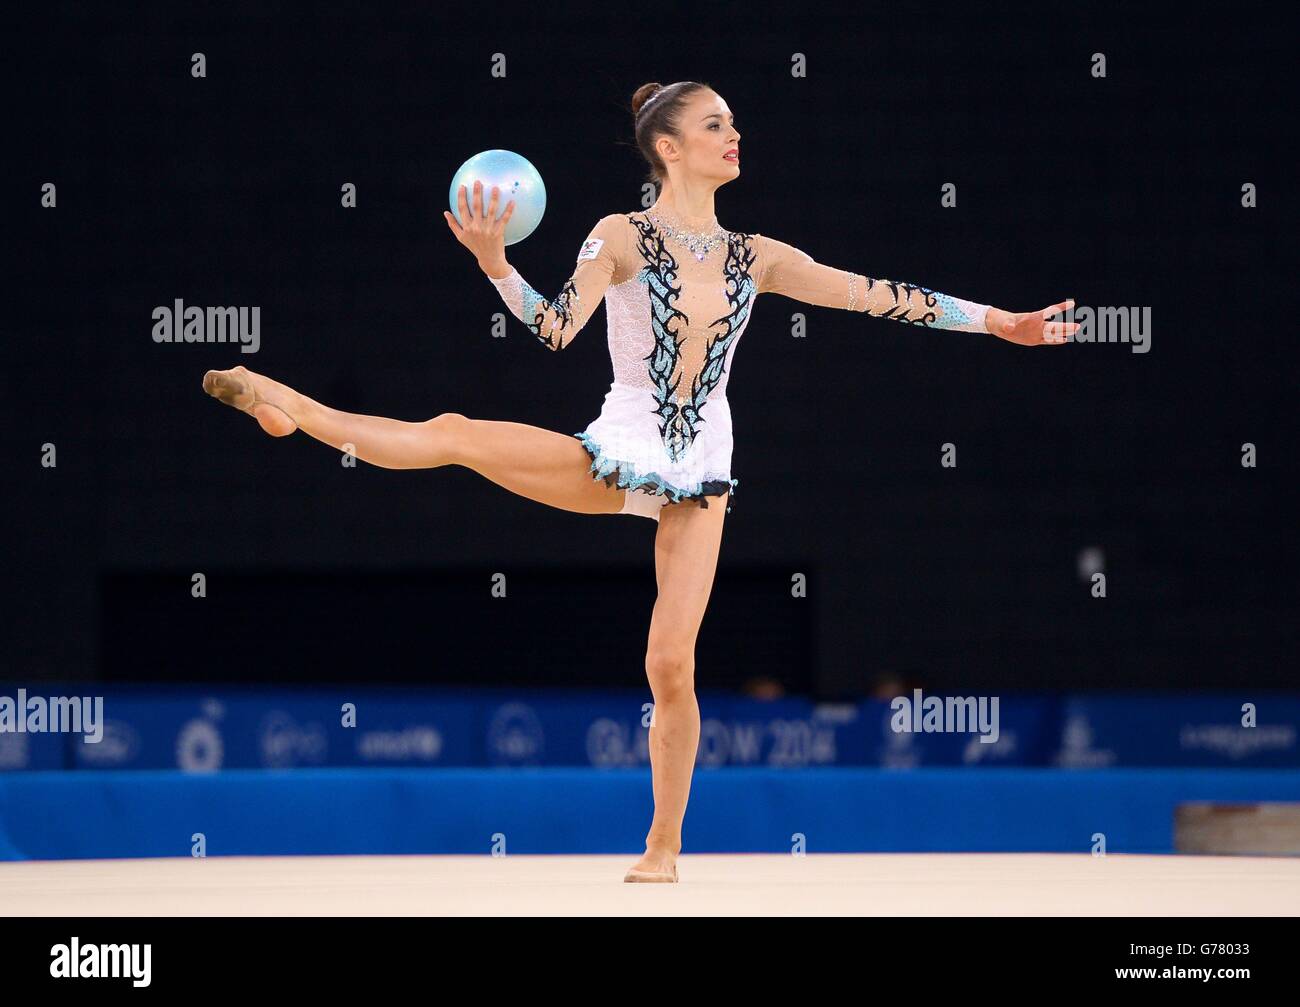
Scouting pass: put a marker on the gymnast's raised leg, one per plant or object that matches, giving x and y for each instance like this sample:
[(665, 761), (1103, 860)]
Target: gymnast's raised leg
[(539, 464), (553, 469)]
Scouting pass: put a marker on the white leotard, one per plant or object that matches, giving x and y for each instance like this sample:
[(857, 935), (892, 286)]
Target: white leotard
[(676, 316)]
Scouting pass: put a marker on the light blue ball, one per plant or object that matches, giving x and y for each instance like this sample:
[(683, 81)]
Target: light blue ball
[(517, 179)]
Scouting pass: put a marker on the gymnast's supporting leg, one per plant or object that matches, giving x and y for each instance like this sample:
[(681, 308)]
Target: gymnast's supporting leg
[(686, 557), (539, 464)]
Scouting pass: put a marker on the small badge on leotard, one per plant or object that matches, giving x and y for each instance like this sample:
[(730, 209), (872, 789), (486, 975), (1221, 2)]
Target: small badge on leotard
[(590, 249)]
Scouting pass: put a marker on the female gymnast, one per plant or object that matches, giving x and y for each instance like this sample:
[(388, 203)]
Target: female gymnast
[(678, 290)]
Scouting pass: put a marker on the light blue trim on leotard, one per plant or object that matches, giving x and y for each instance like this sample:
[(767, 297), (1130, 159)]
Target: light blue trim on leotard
[(630, 479), (957, 312)]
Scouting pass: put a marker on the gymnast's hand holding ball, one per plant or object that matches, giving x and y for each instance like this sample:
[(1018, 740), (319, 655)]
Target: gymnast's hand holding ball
[(482, 231), (484, 235)]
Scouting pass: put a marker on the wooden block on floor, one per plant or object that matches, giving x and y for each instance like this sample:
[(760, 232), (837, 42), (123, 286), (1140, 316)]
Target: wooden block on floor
[(1261, 829)]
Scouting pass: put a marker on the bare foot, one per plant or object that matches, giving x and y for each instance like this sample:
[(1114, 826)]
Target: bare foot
[(251, 393), (656, 865)]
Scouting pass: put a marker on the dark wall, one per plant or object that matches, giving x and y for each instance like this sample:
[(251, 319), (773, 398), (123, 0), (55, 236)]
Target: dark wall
[(225, 190)]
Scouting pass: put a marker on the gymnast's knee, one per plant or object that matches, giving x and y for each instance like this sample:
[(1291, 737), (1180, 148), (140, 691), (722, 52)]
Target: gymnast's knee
[(671, 673), (447, 435)]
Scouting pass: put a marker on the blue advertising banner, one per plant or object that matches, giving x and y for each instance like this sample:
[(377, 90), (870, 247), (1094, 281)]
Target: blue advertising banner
[(1221, 730), (197, 730), (205, 732)]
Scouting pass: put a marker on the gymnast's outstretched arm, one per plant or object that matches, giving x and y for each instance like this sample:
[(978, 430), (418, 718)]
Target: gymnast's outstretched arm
[(786, 270), (556, 321)]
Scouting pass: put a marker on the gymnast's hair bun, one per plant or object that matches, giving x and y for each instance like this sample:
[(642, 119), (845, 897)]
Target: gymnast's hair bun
[(643, 94)]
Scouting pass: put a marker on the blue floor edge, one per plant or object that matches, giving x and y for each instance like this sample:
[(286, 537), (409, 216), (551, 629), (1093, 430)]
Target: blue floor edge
[(160, 813)]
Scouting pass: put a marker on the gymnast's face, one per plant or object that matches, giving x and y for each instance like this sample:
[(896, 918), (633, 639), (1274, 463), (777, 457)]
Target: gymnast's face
[(709, 145)]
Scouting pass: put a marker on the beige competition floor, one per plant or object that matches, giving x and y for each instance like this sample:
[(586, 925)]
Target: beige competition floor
[(744, 884)]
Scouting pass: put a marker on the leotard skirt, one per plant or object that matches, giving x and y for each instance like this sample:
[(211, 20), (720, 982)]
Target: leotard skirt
[(629, 450)]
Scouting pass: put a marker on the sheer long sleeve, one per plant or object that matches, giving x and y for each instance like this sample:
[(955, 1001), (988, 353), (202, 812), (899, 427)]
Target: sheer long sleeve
[(555, 322), (787, 270)]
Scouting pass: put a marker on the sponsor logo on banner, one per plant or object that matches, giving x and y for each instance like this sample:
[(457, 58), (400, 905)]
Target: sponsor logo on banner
[(422, 743), (199, 748), (515, 735), (120, 746), (1237, 742), (1076, 747), (976, 751), (285, 743)]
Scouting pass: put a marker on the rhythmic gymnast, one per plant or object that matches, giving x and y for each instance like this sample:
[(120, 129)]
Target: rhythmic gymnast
[(678, 290)]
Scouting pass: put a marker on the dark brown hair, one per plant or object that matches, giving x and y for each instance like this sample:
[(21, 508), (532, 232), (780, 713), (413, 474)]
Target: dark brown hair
[(657, 110)]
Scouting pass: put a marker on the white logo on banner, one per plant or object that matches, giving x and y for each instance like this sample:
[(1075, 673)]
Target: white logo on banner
[(414, 744), (607, 744), (199, 748), (285, 743), (1235, 741), (120, 745), (1076, 749), (515, 734)]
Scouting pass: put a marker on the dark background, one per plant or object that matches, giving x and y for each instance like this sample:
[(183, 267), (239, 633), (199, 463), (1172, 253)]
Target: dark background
[(226, 190)]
